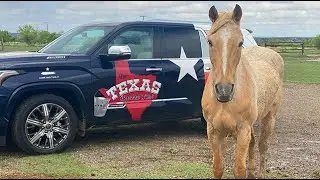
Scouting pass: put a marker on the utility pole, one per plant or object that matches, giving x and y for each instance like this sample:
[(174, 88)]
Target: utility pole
[(47, 26), (142, 17)]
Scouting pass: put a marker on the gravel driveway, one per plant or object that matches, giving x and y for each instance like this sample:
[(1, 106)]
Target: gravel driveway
[(294, 149)]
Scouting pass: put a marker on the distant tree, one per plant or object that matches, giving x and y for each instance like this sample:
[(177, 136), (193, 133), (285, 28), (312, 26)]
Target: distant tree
[(308, 42), (43, 37), (316, 41), (12, 39), (5, 36), (28, 34), (53, 36)]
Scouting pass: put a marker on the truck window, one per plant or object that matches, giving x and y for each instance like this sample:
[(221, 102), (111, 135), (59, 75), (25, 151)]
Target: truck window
[(204, 45), (140, 41), (176, 38), (77, 41)]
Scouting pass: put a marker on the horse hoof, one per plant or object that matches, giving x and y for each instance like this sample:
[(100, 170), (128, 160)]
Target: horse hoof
[(251, 176)]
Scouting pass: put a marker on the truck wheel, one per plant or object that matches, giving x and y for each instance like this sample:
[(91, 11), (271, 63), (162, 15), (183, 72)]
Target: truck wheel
[(44, 124)]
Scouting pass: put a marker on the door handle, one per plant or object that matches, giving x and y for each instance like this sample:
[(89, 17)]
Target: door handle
[(153, 69)]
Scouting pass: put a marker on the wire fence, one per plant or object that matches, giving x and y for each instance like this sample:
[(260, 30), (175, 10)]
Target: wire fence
[(291, 47)]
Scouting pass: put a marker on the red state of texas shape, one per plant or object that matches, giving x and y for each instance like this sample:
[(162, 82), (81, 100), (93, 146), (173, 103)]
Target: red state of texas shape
[(135, 107)]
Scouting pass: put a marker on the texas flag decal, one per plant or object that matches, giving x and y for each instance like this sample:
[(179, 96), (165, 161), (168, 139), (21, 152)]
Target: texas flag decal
[(135, 91)]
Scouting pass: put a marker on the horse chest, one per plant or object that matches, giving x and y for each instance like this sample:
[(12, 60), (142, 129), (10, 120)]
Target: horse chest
[(224, 119), (228, 117)]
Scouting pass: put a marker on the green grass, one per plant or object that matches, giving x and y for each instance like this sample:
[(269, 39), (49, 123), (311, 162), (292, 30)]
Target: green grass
[(302, 72), (170, 169), (316, 174), (64, 165), (20, 47), (298, 70), (57, 165)]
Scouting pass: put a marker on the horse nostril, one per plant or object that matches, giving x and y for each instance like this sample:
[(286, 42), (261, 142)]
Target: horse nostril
[(217, 88), (232, 86)]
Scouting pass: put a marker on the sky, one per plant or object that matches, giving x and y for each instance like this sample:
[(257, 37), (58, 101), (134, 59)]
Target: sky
[(265, 18)]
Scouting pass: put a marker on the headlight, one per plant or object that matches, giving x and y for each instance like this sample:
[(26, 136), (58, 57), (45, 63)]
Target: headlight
[(5, 74)]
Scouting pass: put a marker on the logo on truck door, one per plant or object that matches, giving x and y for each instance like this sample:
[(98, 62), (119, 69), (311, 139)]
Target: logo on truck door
[(135, 91), (127, 90)]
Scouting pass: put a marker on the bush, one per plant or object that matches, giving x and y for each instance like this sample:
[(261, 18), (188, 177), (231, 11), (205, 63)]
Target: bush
[(27, 34), (31, 36), (6, 36), (316, 41)]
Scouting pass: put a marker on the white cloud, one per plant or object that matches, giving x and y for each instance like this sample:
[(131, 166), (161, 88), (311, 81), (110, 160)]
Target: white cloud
[(265, 18)]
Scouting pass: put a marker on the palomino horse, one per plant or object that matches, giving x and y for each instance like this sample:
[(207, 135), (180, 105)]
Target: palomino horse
[(244, 86)]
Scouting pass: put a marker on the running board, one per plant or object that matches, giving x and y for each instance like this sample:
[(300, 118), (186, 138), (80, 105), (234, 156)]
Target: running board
[(101, 105)]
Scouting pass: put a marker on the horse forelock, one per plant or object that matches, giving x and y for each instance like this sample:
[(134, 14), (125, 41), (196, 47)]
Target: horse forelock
[(224, 18)]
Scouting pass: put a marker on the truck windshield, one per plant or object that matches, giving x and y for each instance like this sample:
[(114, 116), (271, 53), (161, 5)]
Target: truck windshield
[(78, 40)]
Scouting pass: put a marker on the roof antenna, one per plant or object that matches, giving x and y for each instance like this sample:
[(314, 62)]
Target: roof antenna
[(142, 17)]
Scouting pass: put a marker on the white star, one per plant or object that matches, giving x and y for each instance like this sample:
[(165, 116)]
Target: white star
[(186, 65), (47, 69)]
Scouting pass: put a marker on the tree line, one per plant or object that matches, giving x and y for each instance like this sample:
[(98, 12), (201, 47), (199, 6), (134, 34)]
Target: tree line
[(29, 35)]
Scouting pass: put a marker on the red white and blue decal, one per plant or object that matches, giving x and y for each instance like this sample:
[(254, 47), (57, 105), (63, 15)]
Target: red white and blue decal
[(135, 91), (179, 86)]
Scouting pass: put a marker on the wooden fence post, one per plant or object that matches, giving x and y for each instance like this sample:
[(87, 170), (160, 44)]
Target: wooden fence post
[(2, 46), (302, 44)]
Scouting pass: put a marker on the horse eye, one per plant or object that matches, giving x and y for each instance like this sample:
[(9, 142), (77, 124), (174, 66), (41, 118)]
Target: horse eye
[(240, 44), (210, 43)]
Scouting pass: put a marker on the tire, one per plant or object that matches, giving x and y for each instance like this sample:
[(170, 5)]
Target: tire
[(62, 135)]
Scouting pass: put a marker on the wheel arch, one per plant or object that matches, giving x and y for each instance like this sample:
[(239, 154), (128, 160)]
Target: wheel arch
[(69, 91)]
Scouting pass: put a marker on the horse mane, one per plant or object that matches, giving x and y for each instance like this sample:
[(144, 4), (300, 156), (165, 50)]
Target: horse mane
[(223, 18)]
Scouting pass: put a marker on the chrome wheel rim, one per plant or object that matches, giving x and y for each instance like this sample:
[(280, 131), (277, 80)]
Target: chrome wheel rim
[(47, 126)]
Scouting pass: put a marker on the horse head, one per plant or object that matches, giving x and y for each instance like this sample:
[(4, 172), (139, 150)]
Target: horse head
[(225, 43)]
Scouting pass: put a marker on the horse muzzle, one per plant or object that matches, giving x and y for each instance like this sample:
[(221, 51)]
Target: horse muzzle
[(224, 92)]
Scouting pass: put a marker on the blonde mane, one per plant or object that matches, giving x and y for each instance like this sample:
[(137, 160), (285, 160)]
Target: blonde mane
[(224, 18)]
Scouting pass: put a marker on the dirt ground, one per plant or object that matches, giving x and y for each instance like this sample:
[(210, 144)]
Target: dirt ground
[(294, 148)]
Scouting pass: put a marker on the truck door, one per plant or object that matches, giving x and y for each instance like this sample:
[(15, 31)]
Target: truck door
[(129, 89), (184, 73)]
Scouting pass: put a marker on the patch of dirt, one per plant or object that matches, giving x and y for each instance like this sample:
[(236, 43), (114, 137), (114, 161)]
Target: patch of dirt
[(294, 148), (8, 173), (143, 147)]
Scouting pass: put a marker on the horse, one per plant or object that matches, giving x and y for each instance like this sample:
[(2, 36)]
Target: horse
[(244, 86)]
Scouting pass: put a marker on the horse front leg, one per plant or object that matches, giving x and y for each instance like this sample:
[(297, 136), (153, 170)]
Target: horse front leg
[(242, 146), (216, 140), (251, 170)]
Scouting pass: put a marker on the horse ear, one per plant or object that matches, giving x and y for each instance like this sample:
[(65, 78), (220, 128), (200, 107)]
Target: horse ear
[(213, 14), (237, 14)]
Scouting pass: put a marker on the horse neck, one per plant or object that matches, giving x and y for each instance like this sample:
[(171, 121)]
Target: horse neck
[(244, 84)]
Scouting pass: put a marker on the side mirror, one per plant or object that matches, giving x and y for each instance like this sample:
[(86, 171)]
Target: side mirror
[(117, 53), (250, 31)]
